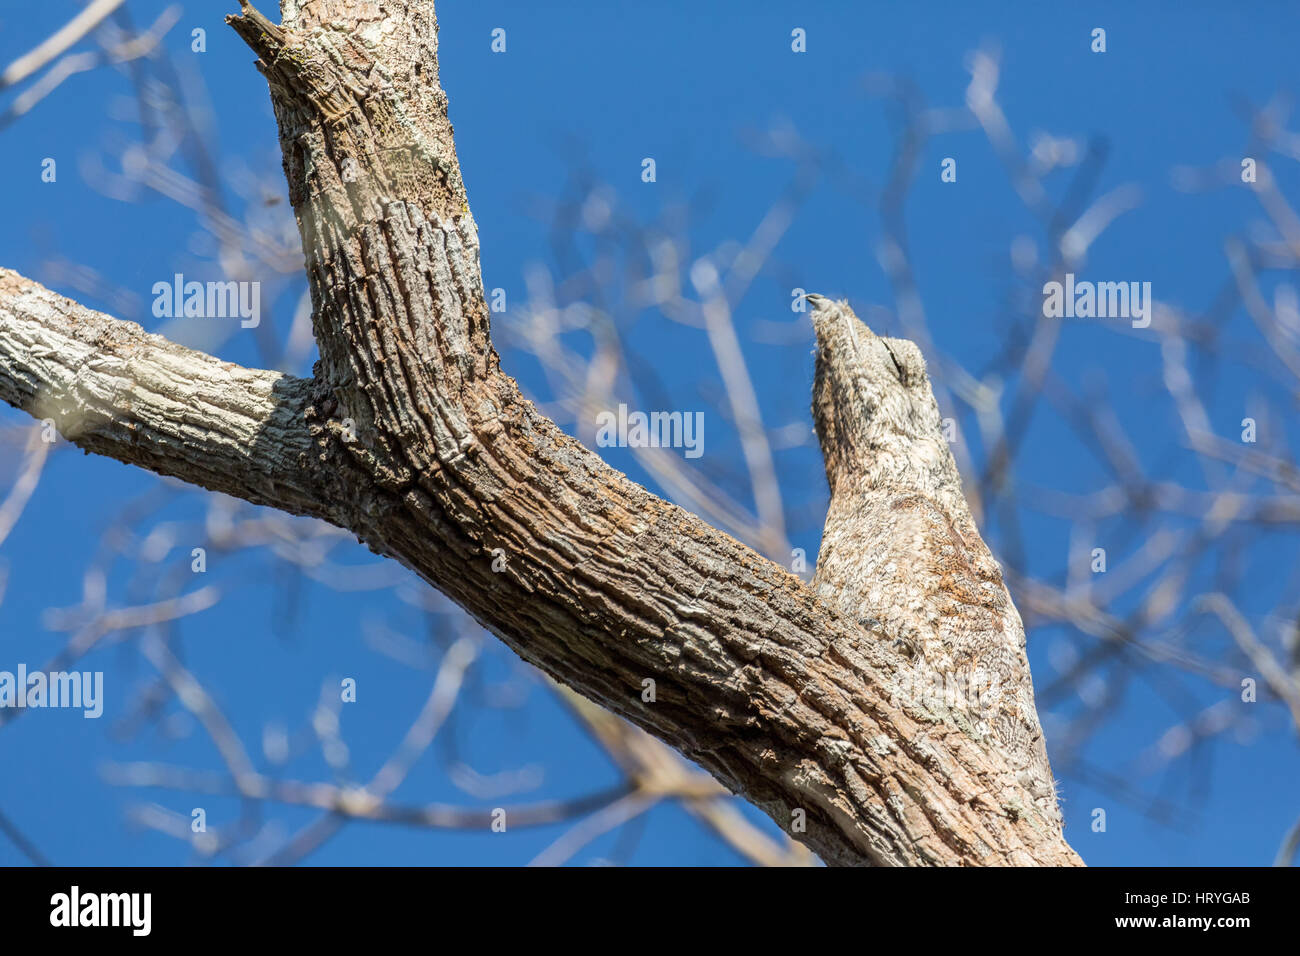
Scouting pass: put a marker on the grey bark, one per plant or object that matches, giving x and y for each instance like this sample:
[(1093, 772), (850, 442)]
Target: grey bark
[(798, 700)]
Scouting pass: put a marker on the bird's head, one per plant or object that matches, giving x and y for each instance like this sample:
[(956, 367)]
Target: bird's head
[(874, 412)]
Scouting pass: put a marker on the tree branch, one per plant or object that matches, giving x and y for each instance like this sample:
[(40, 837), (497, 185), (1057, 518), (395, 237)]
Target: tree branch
[(116, 390), (785, 699)]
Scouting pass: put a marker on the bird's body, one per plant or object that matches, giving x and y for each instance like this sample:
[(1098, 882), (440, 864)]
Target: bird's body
[(901, 553)]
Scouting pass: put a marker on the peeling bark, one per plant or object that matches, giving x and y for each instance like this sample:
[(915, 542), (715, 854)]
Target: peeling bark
[(789, 698)]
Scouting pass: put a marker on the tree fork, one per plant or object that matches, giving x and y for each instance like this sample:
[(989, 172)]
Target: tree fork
[(784, 696)]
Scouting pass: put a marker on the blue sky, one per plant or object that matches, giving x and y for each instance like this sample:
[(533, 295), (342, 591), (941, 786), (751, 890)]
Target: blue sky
[(589, 89)]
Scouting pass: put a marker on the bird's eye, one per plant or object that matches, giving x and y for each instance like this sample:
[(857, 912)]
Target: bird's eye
[(899, 367)]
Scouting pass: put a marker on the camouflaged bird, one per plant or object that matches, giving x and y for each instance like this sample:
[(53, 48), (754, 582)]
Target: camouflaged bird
[(901, 554)]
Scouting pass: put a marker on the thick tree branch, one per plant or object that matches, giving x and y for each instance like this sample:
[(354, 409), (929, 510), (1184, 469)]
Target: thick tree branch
[(116, 390), (786, 699)]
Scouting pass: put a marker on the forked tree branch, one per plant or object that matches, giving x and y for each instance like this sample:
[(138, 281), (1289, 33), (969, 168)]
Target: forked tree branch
[(788, 699)]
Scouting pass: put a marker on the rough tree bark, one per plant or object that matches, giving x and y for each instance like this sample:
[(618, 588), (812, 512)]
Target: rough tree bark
[(798, 700)]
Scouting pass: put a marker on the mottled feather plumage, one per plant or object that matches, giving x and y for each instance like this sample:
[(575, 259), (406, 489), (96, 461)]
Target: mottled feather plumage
[(901, 553)]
